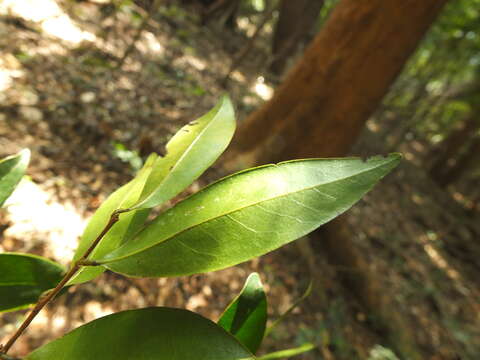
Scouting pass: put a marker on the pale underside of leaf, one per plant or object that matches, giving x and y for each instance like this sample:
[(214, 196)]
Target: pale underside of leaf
[(192, 150), (127, 226), (247, 215)]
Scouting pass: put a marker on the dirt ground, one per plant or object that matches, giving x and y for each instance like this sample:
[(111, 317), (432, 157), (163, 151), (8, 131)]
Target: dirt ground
[(83, 109)]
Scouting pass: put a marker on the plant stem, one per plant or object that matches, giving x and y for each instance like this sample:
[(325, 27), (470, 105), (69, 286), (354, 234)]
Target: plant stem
[(47, 297)]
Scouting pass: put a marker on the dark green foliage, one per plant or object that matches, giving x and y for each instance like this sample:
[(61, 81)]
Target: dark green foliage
[(23, 278)]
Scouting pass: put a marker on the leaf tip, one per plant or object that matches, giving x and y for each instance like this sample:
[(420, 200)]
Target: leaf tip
[(254, 279), (25, 154)]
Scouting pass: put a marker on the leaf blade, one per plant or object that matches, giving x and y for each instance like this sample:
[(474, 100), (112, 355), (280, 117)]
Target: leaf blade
[(24, 277), (191, 151), (12, 169), (246, 316), (128, 223), (159, 334), (246, 215)]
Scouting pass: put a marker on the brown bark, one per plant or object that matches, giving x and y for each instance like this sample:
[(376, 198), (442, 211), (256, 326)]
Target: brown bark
[(296, 20), (452, 146), (324, 102)]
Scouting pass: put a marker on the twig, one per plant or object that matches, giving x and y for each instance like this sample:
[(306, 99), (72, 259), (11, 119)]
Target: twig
[(48, 296)]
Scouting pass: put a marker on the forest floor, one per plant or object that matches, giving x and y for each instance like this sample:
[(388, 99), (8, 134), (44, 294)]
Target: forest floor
[(86, 114)]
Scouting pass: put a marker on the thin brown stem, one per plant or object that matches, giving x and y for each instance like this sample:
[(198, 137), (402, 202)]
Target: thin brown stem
[(47, 297)]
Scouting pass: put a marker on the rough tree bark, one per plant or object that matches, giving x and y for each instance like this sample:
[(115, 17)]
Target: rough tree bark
[(325, 100), (295, 21), (320, 108)]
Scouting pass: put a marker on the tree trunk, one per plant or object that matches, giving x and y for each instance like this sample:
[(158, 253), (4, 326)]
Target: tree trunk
[(452, 146), (296, 20), (326, 99), (323, 104)]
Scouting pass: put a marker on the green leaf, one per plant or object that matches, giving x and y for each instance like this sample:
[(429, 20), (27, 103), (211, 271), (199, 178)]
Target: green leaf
[(12, 168), (23, 278), (286, 354), (247, 215), (129, 223), (246, 316), (147, 334), (192, 150)]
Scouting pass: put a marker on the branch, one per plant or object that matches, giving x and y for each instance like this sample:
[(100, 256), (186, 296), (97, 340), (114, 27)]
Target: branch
[(49, 295)]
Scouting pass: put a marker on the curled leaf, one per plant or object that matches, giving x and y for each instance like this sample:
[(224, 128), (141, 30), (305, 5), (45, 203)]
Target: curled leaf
[(246, 316)]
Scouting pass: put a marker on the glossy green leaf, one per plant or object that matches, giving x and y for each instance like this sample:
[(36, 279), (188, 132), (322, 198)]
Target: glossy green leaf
[(286, 354), (192, 150), (23, 278), (146, 334), (247, 215), (12, 168), (246, 316), (129, 223)]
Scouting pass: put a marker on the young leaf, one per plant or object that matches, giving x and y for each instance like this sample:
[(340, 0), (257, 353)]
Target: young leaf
[(287, 354), (246, 316), (129, 223), (12, 168), (147, 334), (247, 215), (23, 278), (192, 150)]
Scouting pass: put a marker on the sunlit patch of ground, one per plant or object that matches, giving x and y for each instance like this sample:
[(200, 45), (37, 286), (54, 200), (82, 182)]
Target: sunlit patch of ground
[(262, 89), (51, 18), (10, 70), (36, 220)]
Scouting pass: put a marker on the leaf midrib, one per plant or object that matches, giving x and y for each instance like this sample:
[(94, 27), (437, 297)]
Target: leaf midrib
[(234, 211), (187, 150)]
